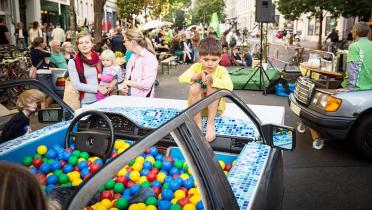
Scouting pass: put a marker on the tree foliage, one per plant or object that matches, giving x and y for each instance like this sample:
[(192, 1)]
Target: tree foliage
[(98, 8), (126, 8), (203, 10), (180, 19)]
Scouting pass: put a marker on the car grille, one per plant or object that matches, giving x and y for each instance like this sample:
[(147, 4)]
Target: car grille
[(304, 89)]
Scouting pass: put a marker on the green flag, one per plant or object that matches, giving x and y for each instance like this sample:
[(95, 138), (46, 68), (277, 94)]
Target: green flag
[(215, 23)]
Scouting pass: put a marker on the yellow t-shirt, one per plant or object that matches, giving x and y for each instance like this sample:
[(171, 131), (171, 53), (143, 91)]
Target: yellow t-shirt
[(221, 80)]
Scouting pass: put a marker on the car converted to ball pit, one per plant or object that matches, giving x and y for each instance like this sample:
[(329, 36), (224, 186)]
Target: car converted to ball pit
[(148, 153)]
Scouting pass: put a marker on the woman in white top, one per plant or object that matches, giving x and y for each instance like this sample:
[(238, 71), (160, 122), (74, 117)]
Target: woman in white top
[(35, 31)]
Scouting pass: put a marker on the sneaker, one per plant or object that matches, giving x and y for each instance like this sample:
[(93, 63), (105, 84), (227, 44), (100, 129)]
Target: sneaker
[(318, 143)]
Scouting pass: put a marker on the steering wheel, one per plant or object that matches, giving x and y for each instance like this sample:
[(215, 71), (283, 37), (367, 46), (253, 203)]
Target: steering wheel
[(97, 143)]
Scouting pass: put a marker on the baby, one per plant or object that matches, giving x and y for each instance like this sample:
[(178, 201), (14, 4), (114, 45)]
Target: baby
[(110, 70)]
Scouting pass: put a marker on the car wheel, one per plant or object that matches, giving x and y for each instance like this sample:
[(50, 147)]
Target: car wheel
[(363, 136), (301, 128)]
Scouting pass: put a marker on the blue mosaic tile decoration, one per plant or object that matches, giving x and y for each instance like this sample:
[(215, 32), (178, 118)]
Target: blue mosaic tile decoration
[(12, 144), (246, 173), (155, 117)]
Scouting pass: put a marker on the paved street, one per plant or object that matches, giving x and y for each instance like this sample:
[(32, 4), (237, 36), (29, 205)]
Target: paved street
[(331, 178)]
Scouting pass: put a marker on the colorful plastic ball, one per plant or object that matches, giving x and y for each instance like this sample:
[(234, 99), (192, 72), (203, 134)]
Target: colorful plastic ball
[(137, 166), (156, 183), (156, 190), (178, 194), (49, 187), (44, 168), (134, 176), (134, 189), (140, 159), (98, 161), (66, 155), (174, 171), (159, 157), (82, 165), (151, 201), (165, 186), (164, 204), (27, 160), (94, 167), (154, 151), (51, 154), (62, 179), (167, 165), (42, 149), (160, 177), (158, 164), (175, 207), (189, 206), (106, 203), (167, 194), (150, 158), (146, 184), (199, 205), (188, 183), (55, 165), (118, 188), (73, 160), (194, 191), (85, 172), (174, 185), (151, 176), (130, 184), (142, 179), (121, 203), (195, 199), (144, 172), (163, 171), (67, 168), (222, 164), (37, 162), (170, 159), (34, 170), (151, 207), (84, 155), (109, 184), (147, 165), (52, 179), (106, 194)]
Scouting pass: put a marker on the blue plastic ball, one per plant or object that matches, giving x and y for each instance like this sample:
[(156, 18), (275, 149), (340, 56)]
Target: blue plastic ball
[(144, 172), (45, 168), (159, 157), (60, 156), (174, 185), (174, 171), (182, 171), (52, 179), (67, 168), (55, 165), (99, 162), (66, 155), (167, 179), (154, 151), (147, 165), (199, 205), (82, 165), (164, 205), (51, 154), (163, 171), (127, 194), (167, 194), (134, 189), (188, 183), (57, 148), (179, 180), (49, 187), (84, 172), (34, 170), (156, 183), (167, 165)]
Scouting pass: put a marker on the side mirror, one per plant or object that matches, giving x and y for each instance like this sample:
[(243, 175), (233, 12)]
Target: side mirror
[(50, 115), (279, 136)]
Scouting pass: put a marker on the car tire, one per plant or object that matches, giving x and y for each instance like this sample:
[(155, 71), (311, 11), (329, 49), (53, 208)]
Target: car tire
[(363, 136)]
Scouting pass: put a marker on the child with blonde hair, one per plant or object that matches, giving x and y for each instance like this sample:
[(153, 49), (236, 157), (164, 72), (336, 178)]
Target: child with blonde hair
[(110, 71), (18, 125)]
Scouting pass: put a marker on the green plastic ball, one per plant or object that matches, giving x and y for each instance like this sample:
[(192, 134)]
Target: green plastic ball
[(131, 162), (121, 203), (73, 160), (158, 164), (27, 161), (118, 188), (76, 153), (84, 155), (165, 186), (175, 207), (37, 156), (58, 172), (151, 201), (146, 184), (109, 184), (63, 179), (101, 189), (178, 164)]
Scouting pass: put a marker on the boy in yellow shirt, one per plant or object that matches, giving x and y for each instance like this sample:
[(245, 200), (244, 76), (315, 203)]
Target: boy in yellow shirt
[(205, 78)]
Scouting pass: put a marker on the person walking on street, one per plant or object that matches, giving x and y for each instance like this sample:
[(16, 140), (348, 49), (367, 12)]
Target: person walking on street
[(21, 36), (4, 33), (117, 40), (334, 40), (195, 40), (35, 31)]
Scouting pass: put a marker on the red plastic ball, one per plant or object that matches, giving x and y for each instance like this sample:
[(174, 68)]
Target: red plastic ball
[(228, 167), (151, 176), (42, 178), (94, 167), (184, 189), (89, 208), (147, 151), (37, 162), (89, 162), (129, 184), (129, 169), (69, 150), (156, 190), (154, 170), (170, 159), (122, 179), (183, 201), (107, 194), (63, 163), (114, 154), (117, 195), (76, 168), (175, 175)]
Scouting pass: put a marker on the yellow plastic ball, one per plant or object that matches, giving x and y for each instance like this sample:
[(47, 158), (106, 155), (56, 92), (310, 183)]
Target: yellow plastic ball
[(160, 177), (100, 207), (194, 191), (151, 207), (81, 159), (121, 150), (113, 209), (226, 173), (119, 144), (73, 175), (137, 166), (140, 159), (142, 179), (222, 164), (184, 176), (134, 176), (189, 171), (195, 199), (174, 200), (122, 172), (49, 174), (42, 150), (76, 182), (179, 194), (133, 207), (107, 203), (189, 206), (141, 206), (151, 159)]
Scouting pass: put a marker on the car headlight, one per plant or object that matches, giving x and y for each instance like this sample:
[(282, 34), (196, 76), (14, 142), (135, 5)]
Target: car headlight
[(326, 102), (333, 104), (323, 100)]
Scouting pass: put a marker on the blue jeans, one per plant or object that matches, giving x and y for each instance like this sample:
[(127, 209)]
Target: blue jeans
[(21, 43), (195, 52)]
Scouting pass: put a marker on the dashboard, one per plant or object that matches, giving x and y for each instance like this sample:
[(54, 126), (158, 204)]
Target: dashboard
[(125, 128)]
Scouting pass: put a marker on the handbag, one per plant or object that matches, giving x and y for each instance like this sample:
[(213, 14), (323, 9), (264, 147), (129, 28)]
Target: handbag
[(71, 96)]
